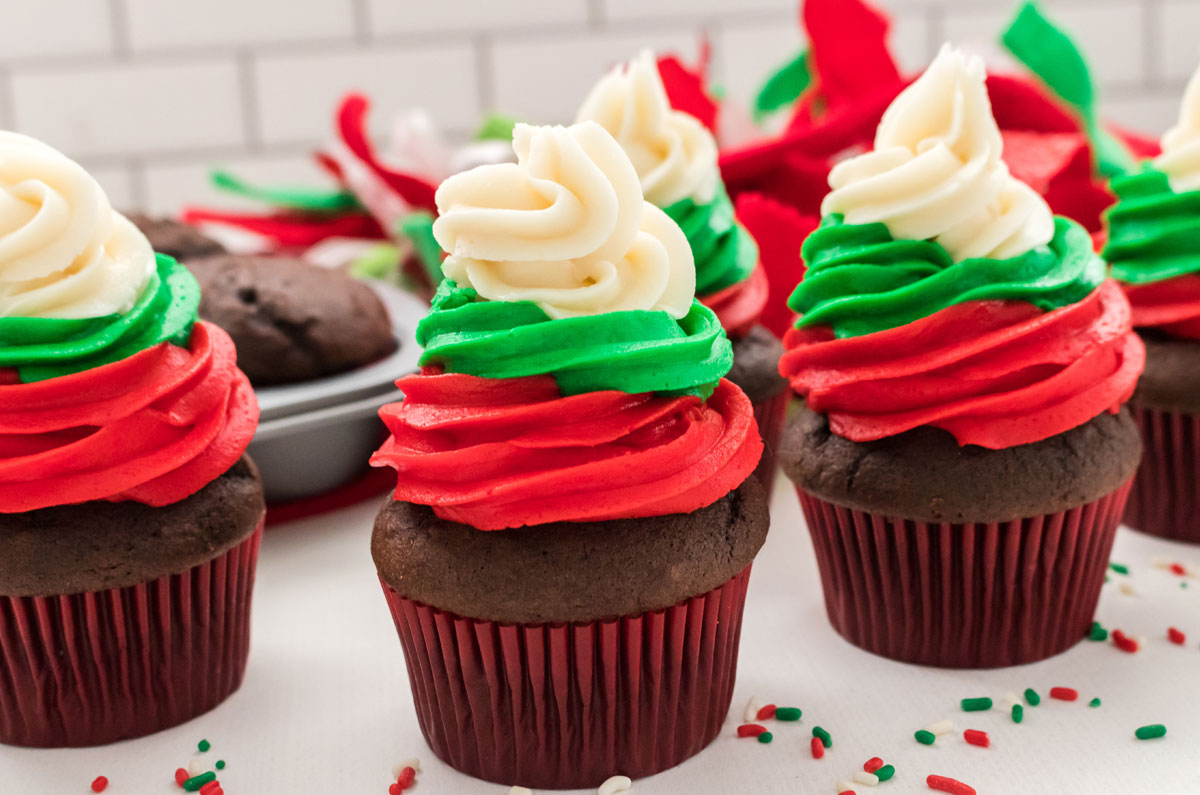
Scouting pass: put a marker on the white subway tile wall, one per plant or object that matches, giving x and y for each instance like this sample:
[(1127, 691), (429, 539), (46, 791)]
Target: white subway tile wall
[(150, 94)]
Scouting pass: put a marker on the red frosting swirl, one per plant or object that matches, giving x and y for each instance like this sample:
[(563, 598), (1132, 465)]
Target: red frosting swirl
[(500, 453), (740, 305), (1170, 305), (153, 428), (992, 373)]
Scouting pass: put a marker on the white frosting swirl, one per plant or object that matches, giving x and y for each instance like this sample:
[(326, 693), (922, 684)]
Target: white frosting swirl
[(1180, 158), (936, 174), (565, 227), (674, 154), (64, 252)]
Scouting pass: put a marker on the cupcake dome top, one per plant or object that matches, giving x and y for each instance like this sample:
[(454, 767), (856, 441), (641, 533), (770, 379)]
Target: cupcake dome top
[(568, 372), (941, 291)]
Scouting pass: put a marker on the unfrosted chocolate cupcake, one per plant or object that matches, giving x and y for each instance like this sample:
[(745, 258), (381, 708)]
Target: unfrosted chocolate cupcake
[(292, 321)]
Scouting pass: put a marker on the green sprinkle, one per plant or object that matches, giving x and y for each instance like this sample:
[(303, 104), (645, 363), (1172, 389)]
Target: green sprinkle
[(885, 772), (1018, 713), (765, 738), (925, 737), (787, 713), (220, 764), (976, 704), (1119, 568), (823, 736), (1095, 702), (196, 782), (1098, 633), (204, 745), (1032, 697), (1183, 584), (1151, 732)]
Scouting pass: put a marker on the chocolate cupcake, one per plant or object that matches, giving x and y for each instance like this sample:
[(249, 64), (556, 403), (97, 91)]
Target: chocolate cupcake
[(176, 239), (292, 321), (963, 457), (570, 429), (129, 517), (1154, 248), (676, 159)]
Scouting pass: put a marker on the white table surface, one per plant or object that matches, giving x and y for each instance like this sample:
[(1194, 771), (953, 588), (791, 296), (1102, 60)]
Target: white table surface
[(325, 707)]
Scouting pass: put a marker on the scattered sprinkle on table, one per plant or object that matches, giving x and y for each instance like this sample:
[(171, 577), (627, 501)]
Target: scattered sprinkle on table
[(844, 787), (196, 767), (1124, 642), (750, 730), (1095, 702), (925, 737), (220, 764), (824, 736), (1031, 697), (950, 785), (941, 727), (766, 713), (520, 791), (846, 791), (615, 785), (1098, 632), (886, 772), (752, 708), (406, 777), (1018, 713), (818, 748), (203, 746), (765, 738), (872, 764), (412, 762), (1064, 693), (866, 779), (982, 704), (1119, 568), (1151, 732), (196, 782), (99, 784), (181, 776), (1178, 568), (976, 737), (1127, 589), (788, 713), (1176, 636)]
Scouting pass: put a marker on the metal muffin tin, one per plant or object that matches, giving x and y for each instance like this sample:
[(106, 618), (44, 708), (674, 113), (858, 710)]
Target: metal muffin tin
[(314, 436)]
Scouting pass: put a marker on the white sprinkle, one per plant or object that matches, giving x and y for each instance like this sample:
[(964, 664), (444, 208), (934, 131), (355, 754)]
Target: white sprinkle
[(863, 777), (414, 763), (196, 767), (1162, 563), (845, 786), (941, 728), (1127, 588), (1011, 698), (615, 786), (520, 791), (752, 708)]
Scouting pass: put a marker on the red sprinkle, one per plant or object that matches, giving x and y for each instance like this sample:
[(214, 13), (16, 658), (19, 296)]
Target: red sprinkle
[(976, 737), (1124, 642), (406, 777), (100, 784), (181, 776), (1064, 693), (395, 789), (210, 788), (848, 792), (945, 784), (1177, 568), (750, 730), (1176, 637), (872, 764), (818, 748), (765, 713)]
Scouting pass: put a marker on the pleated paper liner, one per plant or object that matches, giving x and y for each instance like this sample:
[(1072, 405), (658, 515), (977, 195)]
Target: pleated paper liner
[(770, 415), (1165, 500), (568, 706), (963, 595), (93, 668)]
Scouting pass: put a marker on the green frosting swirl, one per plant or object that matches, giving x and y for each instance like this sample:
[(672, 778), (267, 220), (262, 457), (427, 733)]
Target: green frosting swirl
[(1153, 232), (631, 351), (724, 251), (42, 347), (861, 280)]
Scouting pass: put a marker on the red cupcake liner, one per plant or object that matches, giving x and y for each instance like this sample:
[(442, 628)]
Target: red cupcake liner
[(770, 415), (93, 668), (981, 595), (1165, 500), (568, 706)]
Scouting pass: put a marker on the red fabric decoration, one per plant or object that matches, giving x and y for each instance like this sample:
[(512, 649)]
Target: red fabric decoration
[(292, 230), (849, 49), (686, 90), (780, 231), (351, 121)]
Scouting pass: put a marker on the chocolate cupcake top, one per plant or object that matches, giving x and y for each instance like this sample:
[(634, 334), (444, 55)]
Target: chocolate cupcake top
[(568, 374), (1154, 230), (941, 291), (176, 239), (675, 156), (109, 388)]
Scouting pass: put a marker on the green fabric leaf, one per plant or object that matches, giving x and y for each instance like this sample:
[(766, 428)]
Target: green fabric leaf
[(292, 198), (496, 127), (784, 86)]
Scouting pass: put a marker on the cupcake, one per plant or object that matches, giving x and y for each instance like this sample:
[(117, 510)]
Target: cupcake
[(129, 517), (180, 241), (568, 548), (676, 160), (962, 456), (1154, 249), (292, 321)]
